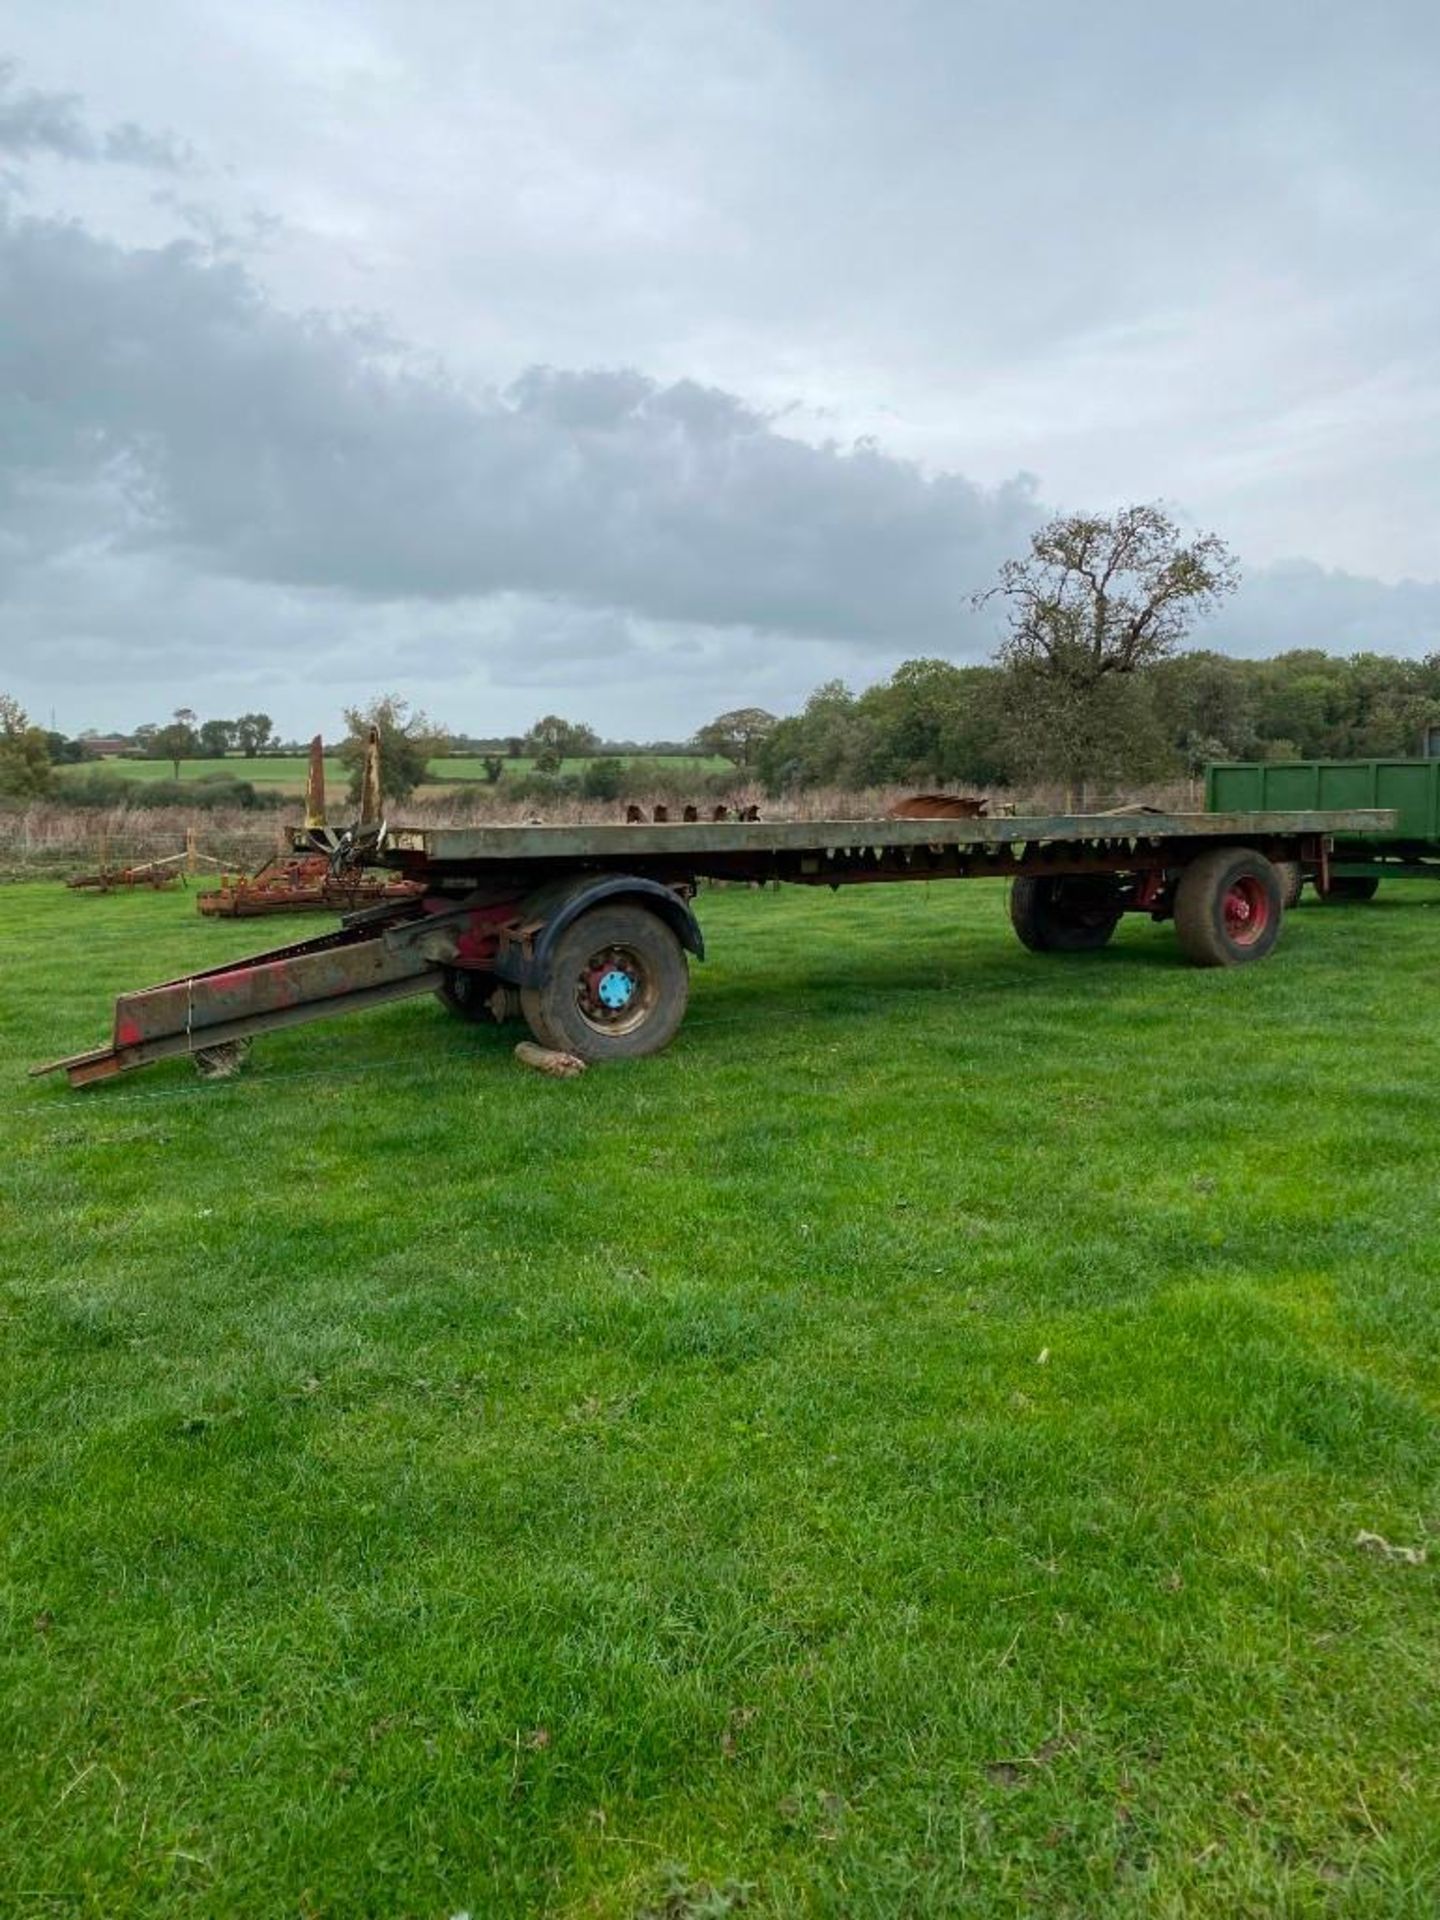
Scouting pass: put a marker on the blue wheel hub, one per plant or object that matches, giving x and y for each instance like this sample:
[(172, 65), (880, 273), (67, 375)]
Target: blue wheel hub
[(615, 990)]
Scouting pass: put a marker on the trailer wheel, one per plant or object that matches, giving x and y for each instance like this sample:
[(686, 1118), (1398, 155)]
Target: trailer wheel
[(1346, 887), (1292, 882), (618, 986), (465, 992), (1065, 913), (1228, 908)]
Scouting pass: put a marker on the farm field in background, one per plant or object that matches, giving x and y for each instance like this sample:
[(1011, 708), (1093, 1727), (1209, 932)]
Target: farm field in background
[(288, 773), (900, 1451)]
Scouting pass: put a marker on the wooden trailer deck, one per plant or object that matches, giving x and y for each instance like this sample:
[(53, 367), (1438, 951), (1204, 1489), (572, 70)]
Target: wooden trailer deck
[(706, 846)]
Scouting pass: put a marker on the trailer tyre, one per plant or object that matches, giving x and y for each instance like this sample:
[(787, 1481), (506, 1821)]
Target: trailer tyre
[(466, 993), (1228, 908), (1065, 913), (618, 986), (1292, 882), (1348, 887)]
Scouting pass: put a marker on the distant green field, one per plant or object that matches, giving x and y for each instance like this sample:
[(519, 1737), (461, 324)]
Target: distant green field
[(288, 774), (902, 1450)]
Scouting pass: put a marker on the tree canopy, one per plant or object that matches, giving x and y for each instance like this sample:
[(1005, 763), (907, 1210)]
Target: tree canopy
[(1096, 600), (932, 723), (1100, 594), (560, 739), (736, 735), (409, 740), (175, 742), (253, 733), (25, 770)]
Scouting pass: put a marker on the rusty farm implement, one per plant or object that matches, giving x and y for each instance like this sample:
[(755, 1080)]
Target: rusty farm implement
[(307, 879), (169, 870)]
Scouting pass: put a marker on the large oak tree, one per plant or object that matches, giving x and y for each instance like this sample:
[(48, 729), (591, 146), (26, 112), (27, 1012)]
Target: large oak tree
[(1096, 600)]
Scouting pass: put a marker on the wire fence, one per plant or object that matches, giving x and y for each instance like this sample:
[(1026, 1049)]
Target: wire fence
[(68, 841)]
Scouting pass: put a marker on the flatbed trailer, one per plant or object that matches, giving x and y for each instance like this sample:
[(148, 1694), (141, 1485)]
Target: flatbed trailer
[(584, 931)]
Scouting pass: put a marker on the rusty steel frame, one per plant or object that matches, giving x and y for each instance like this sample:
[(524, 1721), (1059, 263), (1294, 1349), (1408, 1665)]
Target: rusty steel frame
[(382, 954), (281, 988)]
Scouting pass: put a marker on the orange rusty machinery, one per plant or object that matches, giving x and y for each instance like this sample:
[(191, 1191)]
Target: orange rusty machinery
[(168, 870), (318, 877), (299, 883), (156, 874)]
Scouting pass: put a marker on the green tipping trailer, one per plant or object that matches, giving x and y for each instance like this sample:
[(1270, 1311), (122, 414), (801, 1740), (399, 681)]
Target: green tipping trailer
[(1410, 850)]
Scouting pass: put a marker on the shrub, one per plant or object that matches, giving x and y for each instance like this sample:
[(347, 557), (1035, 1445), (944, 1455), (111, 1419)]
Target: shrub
[(603, 779), (100, 787), (544, 786)]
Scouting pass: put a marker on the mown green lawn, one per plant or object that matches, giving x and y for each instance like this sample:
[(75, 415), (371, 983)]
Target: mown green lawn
[(901, 1452), (289, 773)]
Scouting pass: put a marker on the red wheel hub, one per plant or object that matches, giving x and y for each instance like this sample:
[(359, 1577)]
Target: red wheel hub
[(1247, 910)]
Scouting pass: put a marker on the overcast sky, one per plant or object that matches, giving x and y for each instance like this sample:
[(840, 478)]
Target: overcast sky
[(637, 361)]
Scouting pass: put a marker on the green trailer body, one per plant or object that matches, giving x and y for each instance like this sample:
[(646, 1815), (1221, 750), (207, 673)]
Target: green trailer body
[(1410, 850)]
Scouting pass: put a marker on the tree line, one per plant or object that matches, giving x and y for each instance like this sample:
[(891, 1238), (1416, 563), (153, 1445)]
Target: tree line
[(1090, 687), (935, 723)]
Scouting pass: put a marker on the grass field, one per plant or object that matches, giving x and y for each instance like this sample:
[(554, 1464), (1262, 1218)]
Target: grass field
[(288, 774), (901, 1452)]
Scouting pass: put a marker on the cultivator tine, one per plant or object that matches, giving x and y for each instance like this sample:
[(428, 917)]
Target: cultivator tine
[(315, 786), (370, 785)]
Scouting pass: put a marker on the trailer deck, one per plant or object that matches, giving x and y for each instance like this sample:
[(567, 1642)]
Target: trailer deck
[(824, 850), (584, 930)]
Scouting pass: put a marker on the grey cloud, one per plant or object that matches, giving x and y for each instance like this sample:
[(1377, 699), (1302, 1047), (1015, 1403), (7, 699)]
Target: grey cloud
[(247, 232), (289, 449), (1297, 603), (112, 636), (130, 145), (34, 122), (208, 498)]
